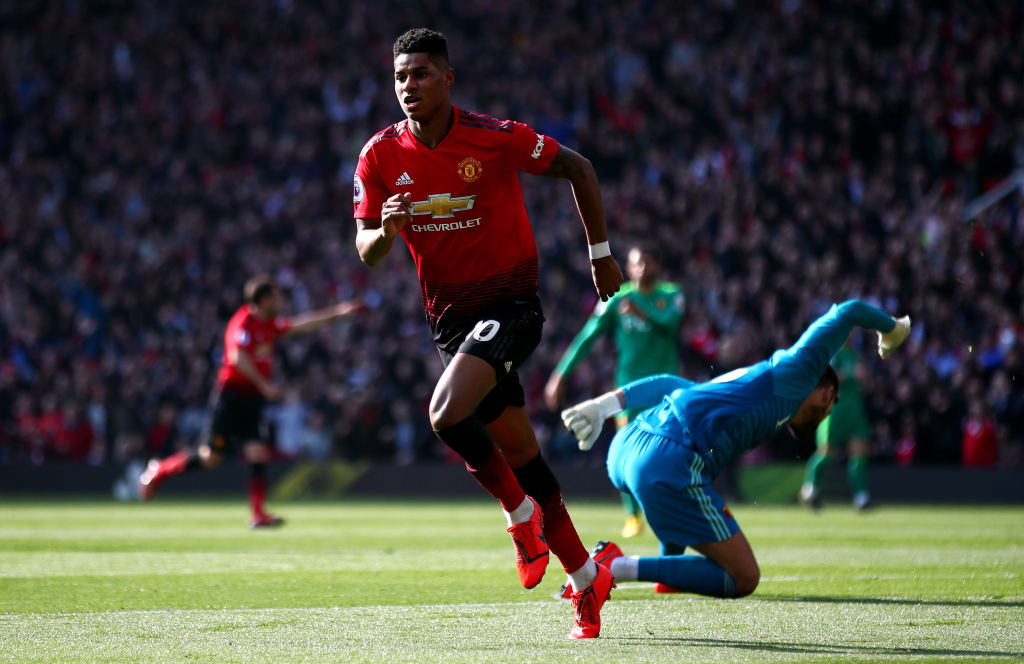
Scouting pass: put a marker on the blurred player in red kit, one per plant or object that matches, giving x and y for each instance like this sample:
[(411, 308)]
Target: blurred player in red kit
[(446, 180), (244, 386)]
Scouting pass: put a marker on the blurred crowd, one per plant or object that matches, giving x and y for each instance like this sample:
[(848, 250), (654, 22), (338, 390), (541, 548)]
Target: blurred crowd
[(785, 155)]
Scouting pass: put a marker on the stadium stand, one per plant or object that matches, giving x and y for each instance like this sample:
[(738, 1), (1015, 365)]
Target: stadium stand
[(784, 154)]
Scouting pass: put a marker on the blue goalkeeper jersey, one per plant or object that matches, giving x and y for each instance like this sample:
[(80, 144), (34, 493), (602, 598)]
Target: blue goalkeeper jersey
[(727, 416)]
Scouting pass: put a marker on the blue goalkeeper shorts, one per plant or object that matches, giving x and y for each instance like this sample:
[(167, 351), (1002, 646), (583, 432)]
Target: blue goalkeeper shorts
[(673, 486)]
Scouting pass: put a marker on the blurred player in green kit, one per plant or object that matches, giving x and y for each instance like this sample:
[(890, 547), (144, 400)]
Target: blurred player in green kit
[(847, 425), (644, 317)]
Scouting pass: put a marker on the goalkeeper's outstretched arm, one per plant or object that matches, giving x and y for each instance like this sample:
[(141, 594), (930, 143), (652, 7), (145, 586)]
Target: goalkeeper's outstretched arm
[(585, 420)]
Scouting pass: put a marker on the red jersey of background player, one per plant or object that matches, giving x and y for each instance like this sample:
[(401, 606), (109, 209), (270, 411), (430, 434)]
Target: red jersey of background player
[(256, 336), (469, 236)]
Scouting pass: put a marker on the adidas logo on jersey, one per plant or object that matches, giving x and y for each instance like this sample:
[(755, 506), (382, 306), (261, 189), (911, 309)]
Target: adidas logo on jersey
[(403, 180)]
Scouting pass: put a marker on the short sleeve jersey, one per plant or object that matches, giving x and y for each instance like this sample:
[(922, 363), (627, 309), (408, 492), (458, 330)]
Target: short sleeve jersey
[(469, 237), (248, 332)]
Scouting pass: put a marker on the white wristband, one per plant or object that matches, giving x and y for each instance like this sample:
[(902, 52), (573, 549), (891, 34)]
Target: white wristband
[(600, 250), (609, 404)]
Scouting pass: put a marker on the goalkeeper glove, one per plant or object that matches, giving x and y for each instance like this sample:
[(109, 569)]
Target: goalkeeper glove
[(890, 341), (585, 420)]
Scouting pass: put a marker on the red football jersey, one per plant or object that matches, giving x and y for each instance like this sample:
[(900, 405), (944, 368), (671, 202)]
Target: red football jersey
[(256, 336), (470, 237)]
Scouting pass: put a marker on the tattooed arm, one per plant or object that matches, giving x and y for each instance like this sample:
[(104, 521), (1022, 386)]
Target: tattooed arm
[(578, 170)]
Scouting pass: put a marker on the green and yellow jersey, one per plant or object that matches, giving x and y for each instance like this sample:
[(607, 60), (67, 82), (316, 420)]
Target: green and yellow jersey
[(644, 346)]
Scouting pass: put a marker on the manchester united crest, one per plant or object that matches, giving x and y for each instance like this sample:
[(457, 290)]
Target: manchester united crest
[(470, 169)]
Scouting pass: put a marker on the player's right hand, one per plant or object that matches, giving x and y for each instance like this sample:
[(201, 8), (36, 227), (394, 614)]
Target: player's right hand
[(585, 421), (394, 214)]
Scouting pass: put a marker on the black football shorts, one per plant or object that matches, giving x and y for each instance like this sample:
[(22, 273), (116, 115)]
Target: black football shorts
[(237, 419), (504, 335)]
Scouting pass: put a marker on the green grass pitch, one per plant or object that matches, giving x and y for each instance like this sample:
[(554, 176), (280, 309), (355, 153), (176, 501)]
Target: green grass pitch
[(433, 581)]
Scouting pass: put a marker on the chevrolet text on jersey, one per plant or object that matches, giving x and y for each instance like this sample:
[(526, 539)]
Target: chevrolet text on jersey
[(454, 226)]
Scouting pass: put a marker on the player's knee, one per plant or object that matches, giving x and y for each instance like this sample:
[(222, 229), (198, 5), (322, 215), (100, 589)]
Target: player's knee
[(441, 417), (445, 412), (747, 580), (257, 453)]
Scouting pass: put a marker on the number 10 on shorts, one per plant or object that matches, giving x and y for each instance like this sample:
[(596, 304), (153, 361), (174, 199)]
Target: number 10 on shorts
[(485, 330)]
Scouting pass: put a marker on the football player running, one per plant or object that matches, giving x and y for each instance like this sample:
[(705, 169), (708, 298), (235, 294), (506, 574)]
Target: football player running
[(446, 180), (244, 386)]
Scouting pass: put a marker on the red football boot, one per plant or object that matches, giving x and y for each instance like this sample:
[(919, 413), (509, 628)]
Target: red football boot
[(603, 553), (587, 603), (531, 548)]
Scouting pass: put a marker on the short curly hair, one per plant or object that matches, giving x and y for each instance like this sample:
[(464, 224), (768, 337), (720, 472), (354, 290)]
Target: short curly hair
[(422, 40)]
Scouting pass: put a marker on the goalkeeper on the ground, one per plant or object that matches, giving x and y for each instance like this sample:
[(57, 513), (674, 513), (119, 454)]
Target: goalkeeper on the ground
[(668, 456)]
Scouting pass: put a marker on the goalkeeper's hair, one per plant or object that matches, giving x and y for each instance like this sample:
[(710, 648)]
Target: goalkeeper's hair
[(257, 288), (423, 40)]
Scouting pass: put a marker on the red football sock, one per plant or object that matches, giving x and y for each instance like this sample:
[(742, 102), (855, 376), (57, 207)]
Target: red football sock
[(176, 464), (561, 535), (537, 479), (257, 494), (495, 475)]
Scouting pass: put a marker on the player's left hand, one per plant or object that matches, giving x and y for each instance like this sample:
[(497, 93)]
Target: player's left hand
[(887, 343), (607, 276), (585, 421)]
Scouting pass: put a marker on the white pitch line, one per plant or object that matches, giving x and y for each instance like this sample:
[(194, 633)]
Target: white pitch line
[(387, 607), (379, 607)]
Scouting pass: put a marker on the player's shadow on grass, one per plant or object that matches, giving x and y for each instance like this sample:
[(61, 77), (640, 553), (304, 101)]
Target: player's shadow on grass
[(807, 648), (891, 601)]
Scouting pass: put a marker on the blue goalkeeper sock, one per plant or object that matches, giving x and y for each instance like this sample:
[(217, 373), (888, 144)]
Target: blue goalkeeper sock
[(689, 573)]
